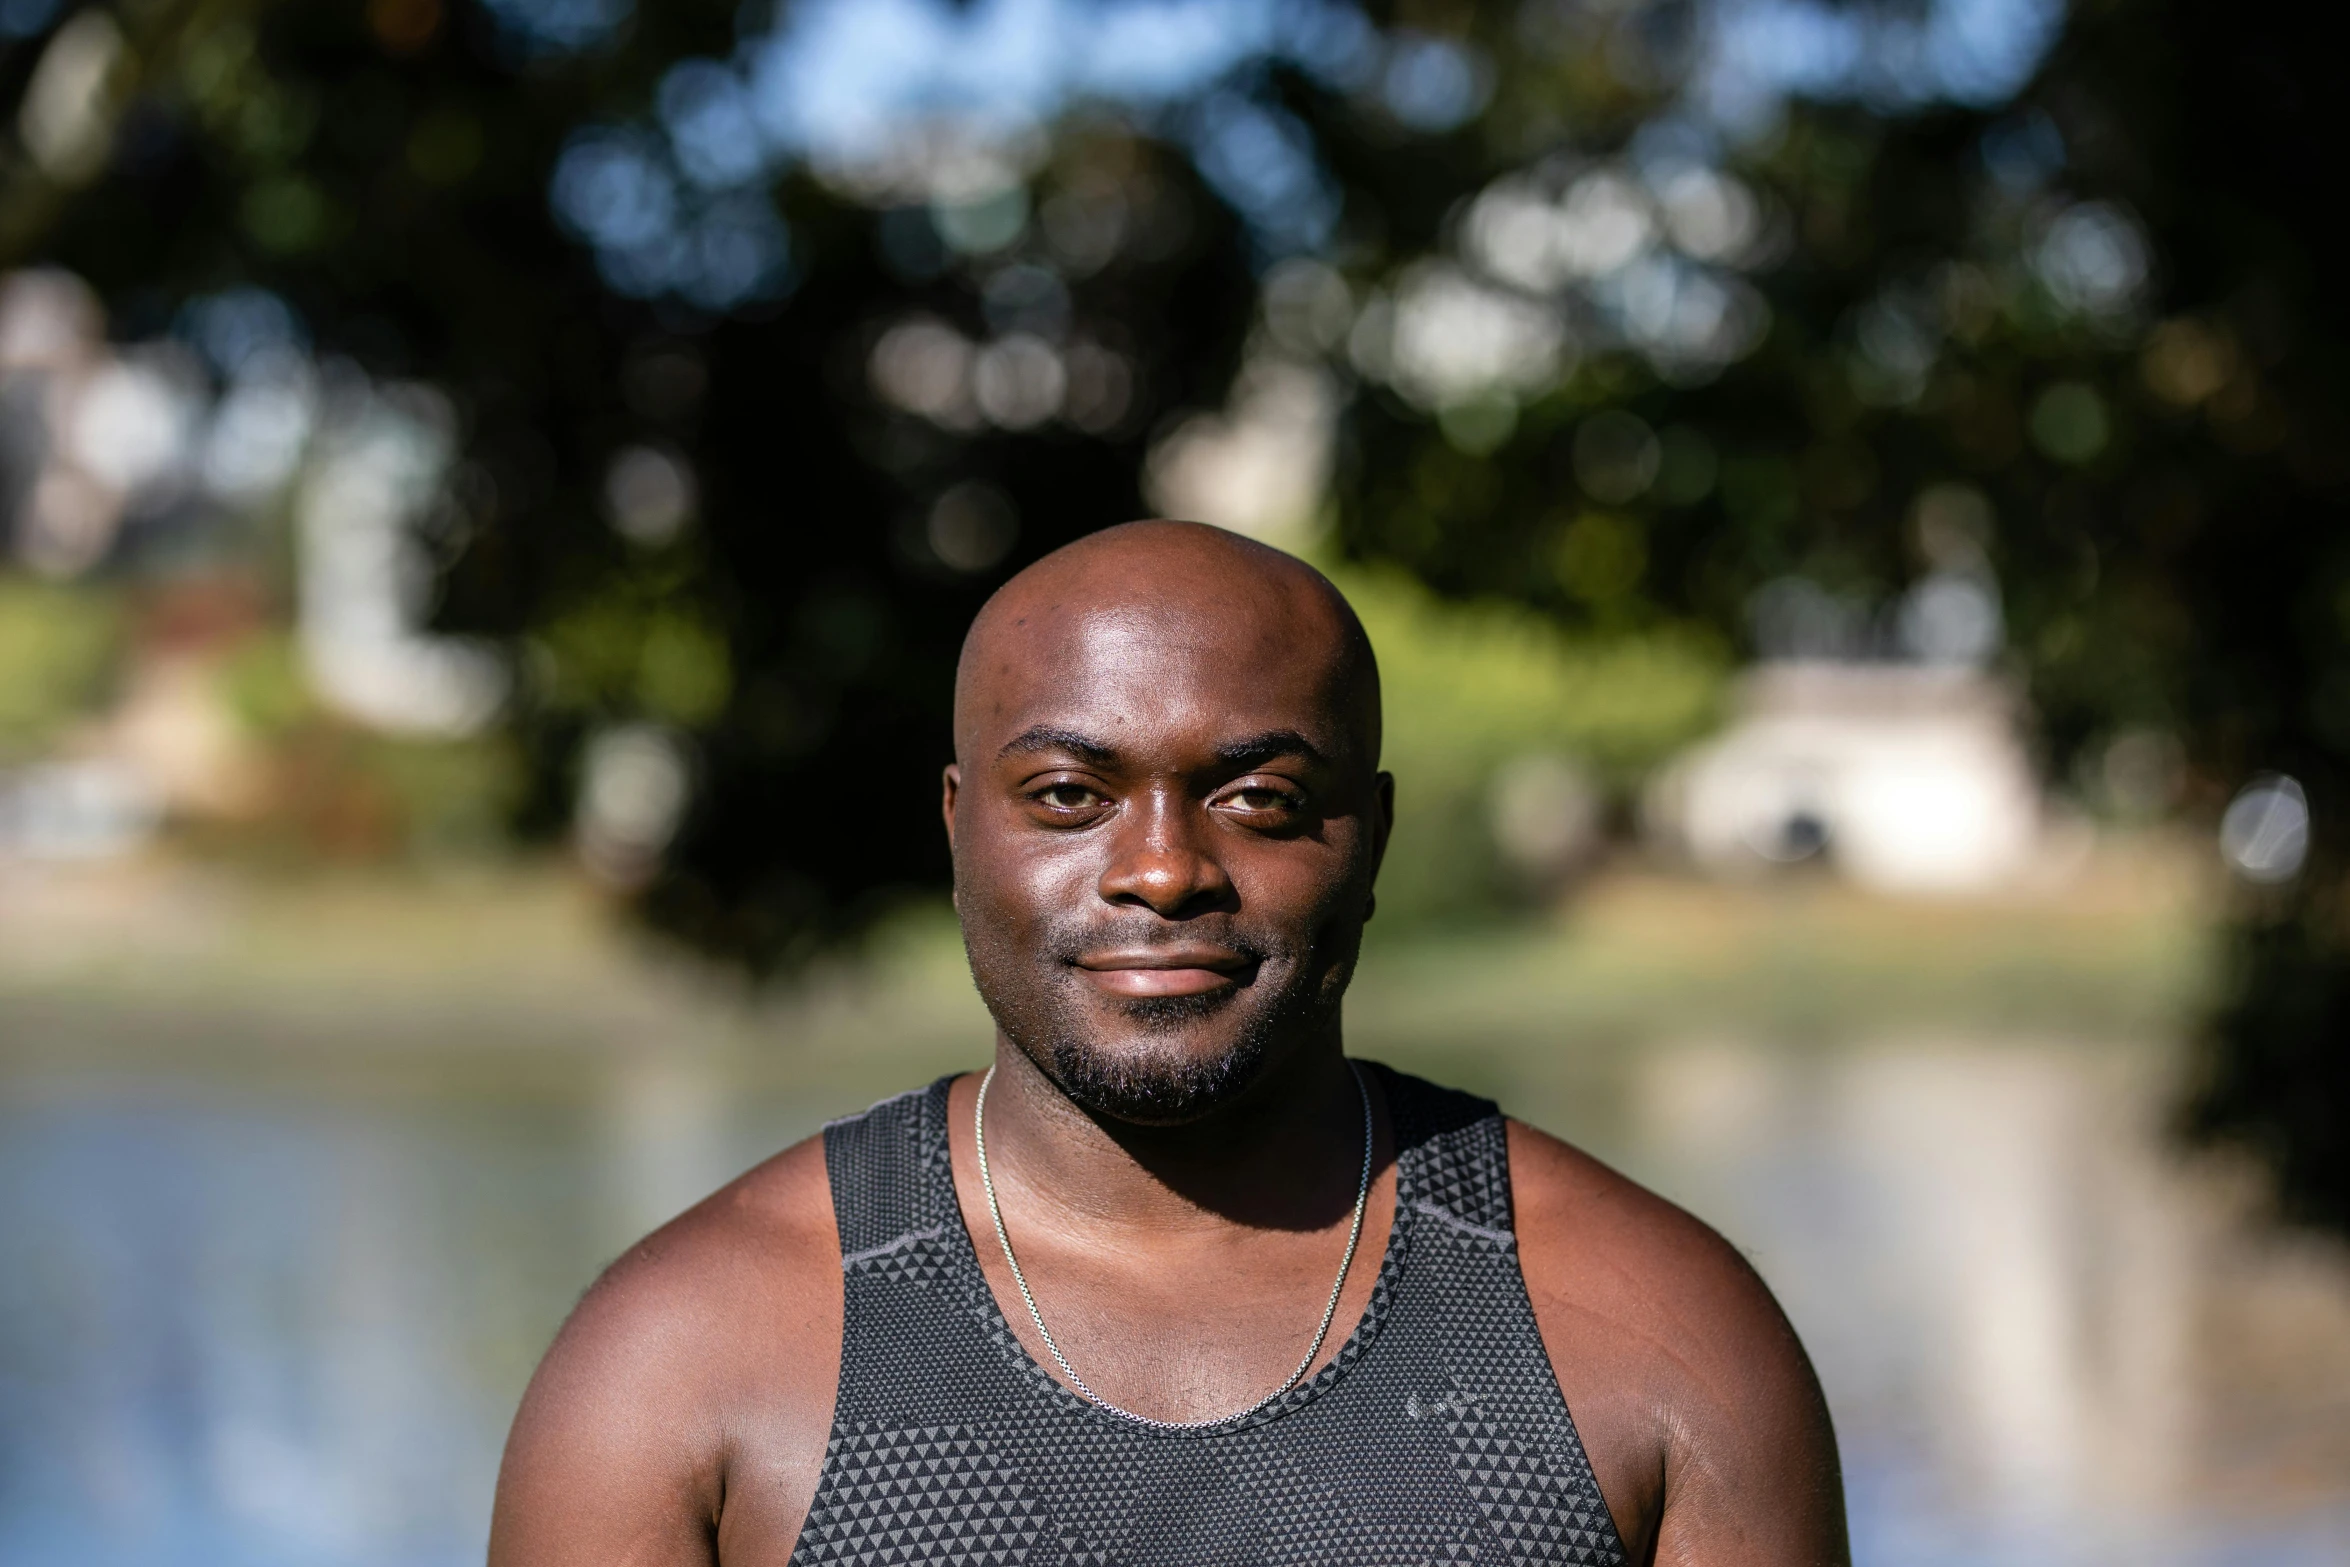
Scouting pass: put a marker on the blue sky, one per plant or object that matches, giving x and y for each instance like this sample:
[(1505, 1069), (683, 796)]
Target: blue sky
[(836, 81)]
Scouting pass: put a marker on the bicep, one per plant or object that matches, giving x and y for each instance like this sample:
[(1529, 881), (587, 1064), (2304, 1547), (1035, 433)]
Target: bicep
[(1697, 1408), (604, 1464), (1751, 1473)]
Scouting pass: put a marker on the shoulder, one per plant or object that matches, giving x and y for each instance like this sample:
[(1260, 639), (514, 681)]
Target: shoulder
[(699, 1368), (1606, 1247), (760, 1253), (1694, 1398)]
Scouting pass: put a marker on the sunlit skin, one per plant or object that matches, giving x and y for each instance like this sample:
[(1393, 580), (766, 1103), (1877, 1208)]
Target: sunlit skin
[(1167, 820)]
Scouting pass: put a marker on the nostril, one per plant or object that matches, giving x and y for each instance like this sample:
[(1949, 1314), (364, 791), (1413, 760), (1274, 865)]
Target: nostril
[(1162, 882)]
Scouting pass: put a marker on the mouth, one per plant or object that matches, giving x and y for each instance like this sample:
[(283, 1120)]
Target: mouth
[(1166, 971)]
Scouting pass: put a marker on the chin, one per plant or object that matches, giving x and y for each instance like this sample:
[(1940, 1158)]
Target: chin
[(1174, 1014), (1170, 1063)]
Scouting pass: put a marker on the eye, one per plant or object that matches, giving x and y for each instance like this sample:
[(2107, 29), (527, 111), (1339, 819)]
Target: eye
[(1066, 797), (1064, 801), (1261, 800)]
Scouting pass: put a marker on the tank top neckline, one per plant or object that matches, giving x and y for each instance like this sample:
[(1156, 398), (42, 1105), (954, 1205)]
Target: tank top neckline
[(979, 1297)]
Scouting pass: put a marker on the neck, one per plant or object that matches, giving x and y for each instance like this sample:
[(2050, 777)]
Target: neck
[(1285, 1154)]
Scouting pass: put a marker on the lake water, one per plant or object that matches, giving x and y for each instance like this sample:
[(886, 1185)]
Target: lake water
[(274, 1271)]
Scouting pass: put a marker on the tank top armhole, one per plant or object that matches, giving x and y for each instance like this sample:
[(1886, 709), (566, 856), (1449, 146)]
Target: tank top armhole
[(873, 1165), (1522, 1301)]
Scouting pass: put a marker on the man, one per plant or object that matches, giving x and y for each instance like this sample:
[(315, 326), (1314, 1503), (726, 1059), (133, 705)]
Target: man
[(1067, 1311)]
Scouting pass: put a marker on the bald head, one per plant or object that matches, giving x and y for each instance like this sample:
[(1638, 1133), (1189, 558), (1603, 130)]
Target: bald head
[(1151, 592), (1167, 816)]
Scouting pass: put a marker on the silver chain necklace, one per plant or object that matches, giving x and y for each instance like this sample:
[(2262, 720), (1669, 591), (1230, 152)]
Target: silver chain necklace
[(1353, 1235)]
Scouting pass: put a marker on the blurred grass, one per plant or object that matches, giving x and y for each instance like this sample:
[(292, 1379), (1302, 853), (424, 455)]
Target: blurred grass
[(1549, 1019), (500, 967), (2121, 952)]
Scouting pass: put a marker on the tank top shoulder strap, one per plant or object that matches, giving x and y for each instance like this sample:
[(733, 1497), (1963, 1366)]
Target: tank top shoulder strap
[(1451, 1150), (1452, 1155), (882, 1163)]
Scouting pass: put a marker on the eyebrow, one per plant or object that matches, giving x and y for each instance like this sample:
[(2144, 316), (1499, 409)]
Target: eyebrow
[(1260, 748), (1043, 737)]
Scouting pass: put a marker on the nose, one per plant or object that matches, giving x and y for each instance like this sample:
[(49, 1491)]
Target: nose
[(1161, 858)]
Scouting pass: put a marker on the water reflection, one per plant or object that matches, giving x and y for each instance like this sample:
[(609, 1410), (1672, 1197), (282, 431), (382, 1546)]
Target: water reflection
[(2014, 1292), (253, 1332), (283, 1316)]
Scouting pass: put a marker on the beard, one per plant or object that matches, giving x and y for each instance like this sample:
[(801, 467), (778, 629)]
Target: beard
[(1154, 1060), (1159, 1083)]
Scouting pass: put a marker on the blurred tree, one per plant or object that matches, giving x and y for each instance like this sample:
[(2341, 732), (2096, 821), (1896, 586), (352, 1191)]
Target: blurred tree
[(734, 492), (1916, 367), (1871, 328)]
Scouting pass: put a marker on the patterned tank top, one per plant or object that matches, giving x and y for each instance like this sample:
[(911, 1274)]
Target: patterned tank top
[(1438, 1434)]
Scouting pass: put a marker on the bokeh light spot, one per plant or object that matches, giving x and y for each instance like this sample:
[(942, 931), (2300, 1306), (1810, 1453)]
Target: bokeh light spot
[(649, 494), (1434, 84), (2069, 422), (972, 527), (2264, 837), (1617, 457), (403, 26)]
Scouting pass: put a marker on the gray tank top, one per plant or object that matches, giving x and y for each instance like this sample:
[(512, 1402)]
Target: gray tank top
[(1438, 1434)]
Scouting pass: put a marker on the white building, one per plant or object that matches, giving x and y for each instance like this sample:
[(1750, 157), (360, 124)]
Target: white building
[(1908, 778)]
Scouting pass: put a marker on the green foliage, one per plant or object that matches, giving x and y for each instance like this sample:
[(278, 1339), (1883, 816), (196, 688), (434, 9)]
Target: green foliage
[(334, 791), (1471, 688), (1469, 685), (262, 683), (58, 648), (638, 647), (450, 797)]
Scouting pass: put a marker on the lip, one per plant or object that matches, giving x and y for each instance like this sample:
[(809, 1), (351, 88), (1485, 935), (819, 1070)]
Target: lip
[(1165, 971)]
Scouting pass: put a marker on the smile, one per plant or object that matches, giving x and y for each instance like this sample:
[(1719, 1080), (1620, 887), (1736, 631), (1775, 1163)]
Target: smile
[(1166, 971)]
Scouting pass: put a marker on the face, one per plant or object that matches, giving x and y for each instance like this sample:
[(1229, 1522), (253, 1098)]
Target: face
[(1165, 830)]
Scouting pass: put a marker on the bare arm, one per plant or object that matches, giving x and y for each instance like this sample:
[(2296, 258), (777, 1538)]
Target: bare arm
[(1752, 1475), (681, 1416), (1696, 1404)]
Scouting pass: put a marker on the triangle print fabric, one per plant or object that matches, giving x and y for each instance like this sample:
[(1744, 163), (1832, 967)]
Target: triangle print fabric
[(1437, 1435)]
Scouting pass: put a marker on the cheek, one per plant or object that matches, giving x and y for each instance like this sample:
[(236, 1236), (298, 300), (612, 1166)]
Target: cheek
[(1304, 882), (1021, 886)]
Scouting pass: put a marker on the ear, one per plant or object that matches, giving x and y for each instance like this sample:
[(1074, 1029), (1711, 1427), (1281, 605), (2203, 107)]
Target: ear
[(946, 806), (1382, 825)]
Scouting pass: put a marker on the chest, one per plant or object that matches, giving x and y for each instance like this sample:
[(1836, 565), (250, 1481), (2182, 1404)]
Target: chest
[(1437, 1435)]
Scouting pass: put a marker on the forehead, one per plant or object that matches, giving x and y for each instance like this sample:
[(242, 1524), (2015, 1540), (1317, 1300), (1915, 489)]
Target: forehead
[(1167, 676)]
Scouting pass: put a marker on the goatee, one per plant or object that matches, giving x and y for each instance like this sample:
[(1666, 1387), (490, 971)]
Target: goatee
[(1163, 1085)]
